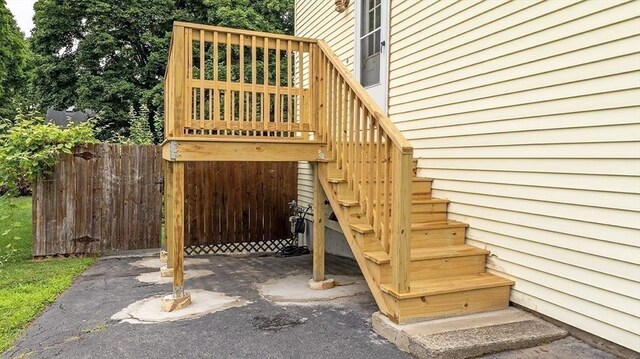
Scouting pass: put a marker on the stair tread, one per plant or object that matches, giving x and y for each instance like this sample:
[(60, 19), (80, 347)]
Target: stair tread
[(464, 250), (367, 228), (361, 228), (446, 285), (438, 225), (348, 202)]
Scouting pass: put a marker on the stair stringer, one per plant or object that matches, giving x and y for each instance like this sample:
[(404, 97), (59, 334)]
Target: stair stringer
[(343, 221)]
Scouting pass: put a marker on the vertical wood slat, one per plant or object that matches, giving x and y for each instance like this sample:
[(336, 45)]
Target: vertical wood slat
[(254, 80), (227, 93), (241, 93), (277, 116), (216, 90), (289, 84), (232, 188), (202, 72), (301, 99), (266, 97)]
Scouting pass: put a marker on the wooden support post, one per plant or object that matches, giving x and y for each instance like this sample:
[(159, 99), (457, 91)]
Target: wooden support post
[(319, 281), (175, 237), (177, 219), (318, 228), (168, 213), (400, 251)]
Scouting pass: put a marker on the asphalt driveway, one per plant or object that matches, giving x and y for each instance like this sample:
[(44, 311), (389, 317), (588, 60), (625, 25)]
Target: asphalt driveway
[(78, 325)]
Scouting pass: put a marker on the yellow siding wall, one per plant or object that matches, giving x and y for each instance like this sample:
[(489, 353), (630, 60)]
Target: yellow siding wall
[(318, 19), (527, 114)]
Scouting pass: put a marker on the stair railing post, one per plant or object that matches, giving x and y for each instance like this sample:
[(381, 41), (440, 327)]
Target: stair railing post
[(400, 249)]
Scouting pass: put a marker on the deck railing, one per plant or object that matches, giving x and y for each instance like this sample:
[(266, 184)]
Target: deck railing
[(224, 82), (230, 82)]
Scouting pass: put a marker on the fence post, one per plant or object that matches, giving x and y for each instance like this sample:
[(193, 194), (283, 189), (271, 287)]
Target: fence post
[(400, 251)]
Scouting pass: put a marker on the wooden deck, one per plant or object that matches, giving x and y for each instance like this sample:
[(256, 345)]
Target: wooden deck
[(236, 95)]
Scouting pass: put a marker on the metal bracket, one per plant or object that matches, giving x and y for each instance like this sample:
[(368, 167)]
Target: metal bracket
[(173, 150), (178, 292), (321, 155)]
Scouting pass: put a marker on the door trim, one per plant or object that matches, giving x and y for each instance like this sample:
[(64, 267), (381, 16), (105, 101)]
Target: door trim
[(385, 30)]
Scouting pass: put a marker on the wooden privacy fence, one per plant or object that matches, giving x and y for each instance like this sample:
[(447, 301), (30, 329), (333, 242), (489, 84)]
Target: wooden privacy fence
[(103, 197), (107, 197), (238, 206)]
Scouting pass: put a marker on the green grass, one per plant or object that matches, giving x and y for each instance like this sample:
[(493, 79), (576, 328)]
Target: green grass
[(27, 286)]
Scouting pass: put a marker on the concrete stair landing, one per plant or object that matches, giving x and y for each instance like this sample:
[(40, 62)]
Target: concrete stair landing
[(470, 335)]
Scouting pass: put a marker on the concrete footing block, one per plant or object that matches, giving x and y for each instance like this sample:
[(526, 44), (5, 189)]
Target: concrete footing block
[(470, 335), (163, 256), (166, 272), (323, 284), (171, 303)]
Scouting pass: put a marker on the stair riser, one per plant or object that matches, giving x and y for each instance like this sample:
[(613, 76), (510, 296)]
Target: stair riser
[(439, 237), (419, 190), (424, 217), (449, 304), (434, 268), (368, 242)]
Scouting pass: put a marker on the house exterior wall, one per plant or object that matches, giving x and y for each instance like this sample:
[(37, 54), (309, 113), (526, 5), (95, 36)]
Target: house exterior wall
[(527, 115)]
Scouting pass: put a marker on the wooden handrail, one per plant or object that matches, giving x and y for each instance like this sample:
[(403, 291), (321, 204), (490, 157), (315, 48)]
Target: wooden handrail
[(196, 26), (388, 126), (371, 153)]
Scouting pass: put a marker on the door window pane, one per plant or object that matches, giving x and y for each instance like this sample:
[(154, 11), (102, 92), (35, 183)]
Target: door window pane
[(370, 42)]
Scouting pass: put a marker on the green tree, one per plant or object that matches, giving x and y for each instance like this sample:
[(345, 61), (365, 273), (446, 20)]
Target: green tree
[(110, 55), (13, 62)]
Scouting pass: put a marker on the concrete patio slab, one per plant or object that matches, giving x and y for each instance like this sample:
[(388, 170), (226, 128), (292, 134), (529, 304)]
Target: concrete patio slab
[(294, 290), (470, 335), (202, 302)]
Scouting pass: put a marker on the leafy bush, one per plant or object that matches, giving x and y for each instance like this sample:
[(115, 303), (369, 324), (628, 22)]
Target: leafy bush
[(31, 147)]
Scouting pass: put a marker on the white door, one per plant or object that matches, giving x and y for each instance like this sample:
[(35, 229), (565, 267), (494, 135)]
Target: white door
[(371, 60)]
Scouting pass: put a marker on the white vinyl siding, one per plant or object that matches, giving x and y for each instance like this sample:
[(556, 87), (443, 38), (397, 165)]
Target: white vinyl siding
[(527, 115), (318, 19)]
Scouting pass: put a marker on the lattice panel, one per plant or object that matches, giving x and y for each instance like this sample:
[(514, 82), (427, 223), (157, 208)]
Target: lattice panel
[(244, 247)]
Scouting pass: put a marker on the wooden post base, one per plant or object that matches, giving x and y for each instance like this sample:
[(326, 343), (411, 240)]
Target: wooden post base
[(171, 303), (163, 256), (166, 272), (323, 284)]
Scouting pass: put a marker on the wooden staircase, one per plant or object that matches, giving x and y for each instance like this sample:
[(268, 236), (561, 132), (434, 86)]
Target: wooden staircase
[(237, 95), (448, 277)]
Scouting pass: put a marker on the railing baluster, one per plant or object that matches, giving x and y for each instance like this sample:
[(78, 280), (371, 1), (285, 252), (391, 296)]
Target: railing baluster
[(277, 116), (266, 96), (202, 71), (216, 92), (301, 98), (241, 94), (227, 94), (356, 147), (289, 68), (254, 76)]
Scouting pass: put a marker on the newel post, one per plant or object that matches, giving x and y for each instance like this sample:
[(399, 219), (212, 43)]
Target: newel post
[(178, 74), (400, 249)]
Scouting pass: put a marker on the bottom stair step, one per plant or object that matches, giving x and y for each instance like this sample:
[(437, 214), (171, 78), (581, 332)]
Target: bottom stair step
[(448, 296), (421, 288)]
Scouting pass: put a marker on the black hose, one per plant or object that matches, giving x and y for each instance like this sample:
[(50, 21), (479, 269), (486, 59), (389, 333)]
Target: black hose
[(292, 251)]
